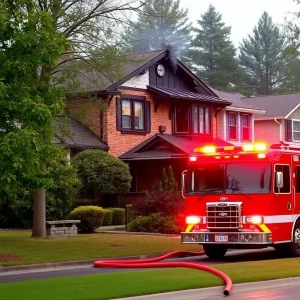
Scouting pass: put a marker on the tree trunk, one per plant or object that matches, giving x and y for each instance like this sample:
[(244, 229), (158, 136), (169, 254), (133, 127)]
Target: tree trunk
[(39, 214)]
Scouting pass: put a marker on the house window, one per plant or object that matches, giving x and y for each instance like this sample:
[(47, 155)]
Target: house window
[(133, 114), (238, 126), (245, 127), (296, 130), (182, 119), (201, 119), (232, 125)]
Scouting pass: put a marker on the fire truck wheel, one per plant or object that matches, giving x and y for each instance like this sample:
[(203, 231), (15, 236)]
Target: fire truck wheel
[(215, 251), (295, 247)]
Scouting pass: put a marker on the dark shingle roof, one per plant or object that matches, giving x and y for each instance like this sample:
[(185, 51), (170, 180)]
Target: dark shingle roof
[(187, 95), (237, 100), (275, 105), (175, 147), (73, 134)]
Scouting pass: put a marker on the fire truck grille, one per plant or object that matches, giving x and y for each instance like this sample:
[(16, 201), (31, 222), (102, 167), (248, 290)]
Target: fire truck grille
[(225, 216)]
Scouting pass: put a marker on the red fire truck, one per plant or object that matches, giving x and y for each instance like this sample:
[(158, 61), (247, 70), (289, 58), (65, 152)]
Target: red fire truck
[(243, 197)]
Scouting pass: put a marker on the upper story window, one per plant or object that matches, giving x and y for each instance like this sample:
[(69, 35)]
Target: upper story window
[(195, 119), (201, 119), (296, 130), (238, 126), (133, 114)]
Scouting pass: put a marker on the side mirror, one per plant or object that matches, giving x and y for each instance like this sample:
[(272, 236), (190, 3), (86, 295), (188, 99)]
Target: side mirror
[(279, 180), (182, 183)]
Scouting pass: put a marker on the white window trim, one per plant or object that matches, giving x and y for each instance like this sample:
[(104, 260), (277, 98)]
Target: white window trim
[(294, 120)]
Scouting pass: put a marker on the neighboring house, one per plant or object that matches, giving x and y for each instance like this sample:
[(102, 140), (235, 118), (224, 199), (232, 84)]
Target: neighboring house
[(157, 113), (236, 122), (281, 122)]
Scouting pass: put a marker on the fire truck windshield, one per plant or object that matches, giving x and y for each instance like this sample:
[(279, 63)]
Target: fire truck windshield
[(231, 178)]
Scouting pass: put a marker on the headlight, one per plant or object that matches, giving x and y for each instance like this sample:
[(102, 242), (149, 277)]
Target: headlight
[(192, 220), (255, 220)]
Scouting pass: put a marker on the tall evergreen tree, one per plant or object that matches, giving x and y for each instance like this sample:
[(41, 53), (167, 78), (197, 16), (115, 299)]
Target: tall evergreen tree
[(160, 23), (262, 57), (212, 55)]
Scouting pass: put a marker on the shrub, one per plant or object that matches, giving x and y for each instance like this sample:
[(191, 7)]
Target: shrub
[(101, 174), (107, 221), (157, 223), (118, 217), (91, 217), (81, 202), (165, 202)]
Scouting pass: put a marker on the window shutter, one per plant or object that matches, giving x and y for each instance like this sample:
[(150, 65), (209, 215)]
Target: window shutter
[(118, 113), (288, 130), (148, 116), (227, 126)]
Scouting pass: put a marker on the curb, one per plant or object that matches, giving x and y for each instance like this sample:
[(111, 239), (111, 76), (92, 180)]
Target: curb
[(66, 265)]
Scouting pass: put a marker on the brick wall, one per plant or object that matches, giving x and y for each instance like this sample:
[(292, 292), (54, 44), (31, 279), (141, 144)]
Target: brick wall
[(121, 142)]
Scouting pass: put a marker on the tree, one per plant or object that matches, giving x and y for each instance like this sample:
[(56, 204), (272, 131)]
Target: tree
[(212, 54), (262, 57), (93, 29), (101, 173), (28, 103), (160, 23)]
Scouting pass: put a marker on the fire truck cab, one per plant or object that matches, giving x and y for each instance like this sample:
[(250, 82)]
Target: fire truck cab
[(243, 197)]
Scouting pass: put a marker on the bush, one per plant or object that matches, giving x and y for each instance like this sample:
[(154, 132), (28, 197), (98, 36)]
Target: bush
[(157, 223), (91, 217), (165, 202), (107, 221), (81, 202), (118, 217), (101, 174)]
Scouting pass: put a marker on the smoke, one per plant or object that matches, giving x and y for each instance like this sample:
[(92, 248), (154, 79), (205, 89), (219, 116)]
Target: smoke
[(172, 55)]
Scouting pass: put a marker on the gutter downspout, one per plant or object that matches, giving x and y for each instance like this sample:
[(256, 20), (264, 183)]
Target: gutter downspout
[(280, 128)]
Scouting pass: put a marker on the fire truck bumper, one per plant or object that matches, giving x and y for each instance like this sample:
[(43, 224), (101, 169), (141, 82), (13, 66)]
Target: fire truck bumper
[(247, 238)]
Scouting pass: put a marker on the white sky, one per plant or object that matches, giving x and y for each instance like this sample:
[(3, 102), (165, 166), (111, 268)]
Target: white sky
[(242, 15)]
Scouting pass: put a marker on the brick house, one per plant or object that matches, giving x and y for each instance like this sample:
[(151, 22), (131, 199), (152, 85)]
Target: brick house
[(158, 112)]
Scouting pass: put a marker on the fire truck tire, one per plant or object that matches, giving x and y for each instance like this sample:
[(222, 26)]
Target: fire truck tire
[(215, 251), (295, 246)]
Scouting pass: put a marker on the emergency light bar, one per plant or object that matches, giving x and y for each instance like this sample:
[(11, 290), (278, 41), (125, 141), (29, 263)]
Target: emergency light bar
[(211, 149)]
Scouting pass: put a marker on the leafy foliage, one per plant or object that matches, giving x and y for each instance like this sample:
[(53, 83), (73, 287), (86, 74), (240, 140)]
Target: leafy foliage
[(107, 221), (212, 54), (160, 23), (101, 173), (157, 223), (263, 58), (118, 216), (63, 185), (91, 217), (166, 182)]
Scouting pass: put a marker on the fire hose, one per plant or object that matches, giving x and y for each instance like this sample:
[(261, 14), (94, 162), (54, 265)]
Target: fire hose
[(154, 263)]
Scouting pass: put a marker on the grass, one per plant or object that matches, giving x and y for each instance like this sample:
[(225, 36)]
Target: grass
[(116, 285), (23, 250)]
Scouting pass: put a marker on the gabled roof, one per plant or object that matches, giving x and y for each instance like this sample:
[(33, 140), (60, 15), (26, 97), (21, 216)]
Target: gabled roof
[(238, 101), (276, 106), (187, 95), (166, 146), (73, 134)]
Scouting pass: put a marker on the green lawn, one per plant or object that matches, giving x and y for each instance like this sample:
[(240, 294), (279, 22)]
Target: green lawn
[(118, 285), (18, 248)]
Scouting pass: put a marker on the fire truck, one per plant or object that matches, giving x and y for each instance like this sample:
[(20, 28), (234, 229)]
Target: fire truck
[(243, 197)]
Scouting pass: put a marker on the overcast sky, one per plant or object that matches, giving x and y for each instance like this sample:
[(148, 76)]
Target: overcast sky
[(242, 15)]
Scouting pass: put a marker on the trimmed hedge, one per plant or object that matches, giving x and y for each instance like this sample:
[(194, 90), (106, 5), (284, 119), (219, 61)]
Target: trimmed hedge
[(107, 217), (157, 223), (118, 217), (81, 202), (91, 217)]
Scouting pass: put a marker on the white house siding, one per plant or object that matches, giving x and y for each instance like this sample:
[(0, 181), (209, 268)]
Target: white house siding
[(138, 81), (267, 131)]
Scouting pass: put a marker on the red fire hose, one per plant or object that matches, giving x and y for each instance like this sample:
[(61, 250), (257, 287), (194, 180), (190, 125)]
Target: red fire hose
[(152, 263)]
